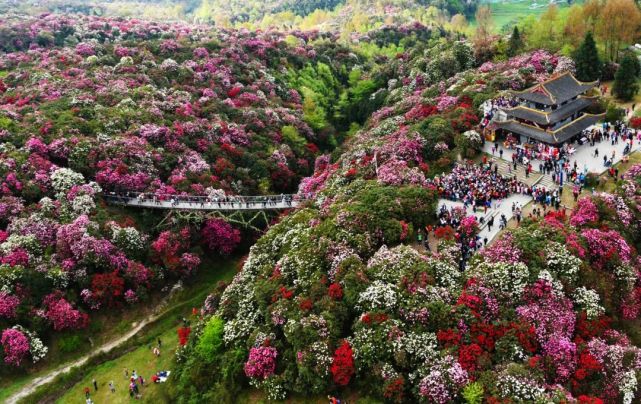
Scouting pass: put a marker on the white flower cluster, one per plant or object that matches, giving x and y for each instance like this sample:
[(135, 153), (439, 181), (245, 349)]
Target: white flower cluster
[(369, 346), (518, 389), (83, 204), (59, 278), (421, 346), (387, 264), (46, 205), (37, 349), (8, 277), (378, 296), (127, 238), (561, 263), (506, 279), (628, 386), (29, 243), (63, 179), (588, 301), (626, 275), (275, 389), (321, 357), (446, 275)]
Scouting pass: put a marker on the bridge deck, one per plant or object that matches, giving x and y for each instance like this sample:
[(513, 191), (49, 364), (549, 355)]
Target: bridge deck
[(209, 204)]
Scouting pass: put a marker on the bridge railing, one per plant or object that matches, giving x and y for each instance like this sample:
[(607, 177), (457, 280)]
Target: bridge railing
[(204, 202)]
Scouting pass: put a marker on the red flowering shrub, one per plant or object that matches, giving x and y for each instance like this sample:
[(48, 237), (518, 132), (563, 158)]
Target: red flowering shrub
[(343, 364), (335, 291), (393, 389), (468, 356), (306, 304), (107, 288), (444, 233), (635, 122)]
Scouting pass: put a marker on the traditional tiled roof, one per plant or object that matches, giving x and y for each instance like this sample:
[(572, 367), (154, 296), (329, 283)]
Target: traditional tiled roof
[(556, 90), (545, 118), (555, 137)]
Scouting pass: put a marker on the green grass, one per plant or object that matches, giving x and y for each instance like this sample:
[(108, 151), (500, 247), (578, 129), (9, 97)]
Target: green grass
[(509, 12), (142, 360)]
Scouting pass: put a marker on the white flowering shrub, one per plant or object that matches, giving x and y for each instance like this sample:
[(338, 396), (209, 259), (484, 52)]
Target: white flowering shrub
[(507, 279), (561, 263), (519, 389), (128, 238), (588, 300), (378, 296), (64, 178)]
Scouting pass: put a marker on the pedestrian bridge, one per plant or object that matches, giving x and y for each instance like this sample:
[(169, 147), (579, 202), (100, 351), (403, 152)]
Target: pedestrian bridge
[(205, 203)]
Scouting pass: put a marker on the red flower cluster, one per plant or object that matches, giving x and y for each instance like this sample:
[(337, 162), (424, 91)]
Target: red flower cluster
[(375, 318), (635, 122), (444, 233), (306, 304), (343, 364), (335, 291), (283, 293), (183, 335), (393, 389)]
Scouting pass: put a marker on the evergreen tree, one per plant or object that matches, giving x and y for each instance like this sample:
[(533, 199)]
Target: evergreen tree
[(586, 58), (626, 84), (515, 44)]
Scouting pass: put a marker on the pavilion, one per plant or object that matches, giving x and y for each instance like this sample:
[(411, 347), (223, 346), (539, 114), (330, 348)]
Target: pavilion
[(551, 112)]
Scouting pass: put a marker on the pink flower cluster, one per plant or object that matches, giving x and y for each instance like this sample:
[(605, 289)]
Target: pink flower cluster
[(8, 305), (261, 363), (585, 212), (16, 346), (503, 250), (62, 315)]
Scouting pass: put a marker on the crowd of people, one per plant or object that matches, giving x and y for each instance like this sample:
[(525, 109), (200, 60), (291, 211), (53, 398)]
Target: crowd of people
[(134, 380), (477, 185)]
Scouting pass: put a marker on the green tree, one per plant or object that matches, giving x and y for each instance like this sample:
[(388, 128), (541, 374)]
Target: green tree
[(626, 84), (515, 44), (586, 58)]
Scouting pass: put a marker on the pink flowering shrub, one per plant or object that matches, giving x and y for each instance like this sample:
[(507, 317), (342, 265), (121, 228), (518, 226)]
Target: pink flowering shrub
[(220, 236), (585, 212), (261, 362), (503, 250), (62, 315), (16, 346), (604, 245), (8, 305)]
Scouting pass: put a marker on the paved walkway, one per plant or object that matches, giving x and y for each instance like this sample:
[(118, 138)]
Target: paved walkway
[(499, 207), (584, 155)]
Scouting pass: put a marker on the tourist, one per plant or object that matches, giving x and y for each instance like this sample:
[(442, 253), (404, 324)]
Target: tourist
[(95, 384), (112, 387)]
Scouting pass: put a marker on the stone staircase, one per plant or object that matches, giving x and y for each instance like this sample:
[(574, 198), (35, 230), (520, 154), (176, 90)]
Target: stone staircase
[(546, 181), (505, 169)]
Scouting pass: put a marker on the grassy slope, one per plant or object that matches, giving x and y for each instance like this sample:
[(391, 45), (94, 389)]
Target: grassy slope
[(142, 359), (180, 305)]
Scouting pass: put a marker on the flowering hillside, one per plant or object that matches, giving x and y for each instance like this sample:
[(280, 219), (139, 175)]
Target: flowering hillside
[(333, 297), (91, 106)]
